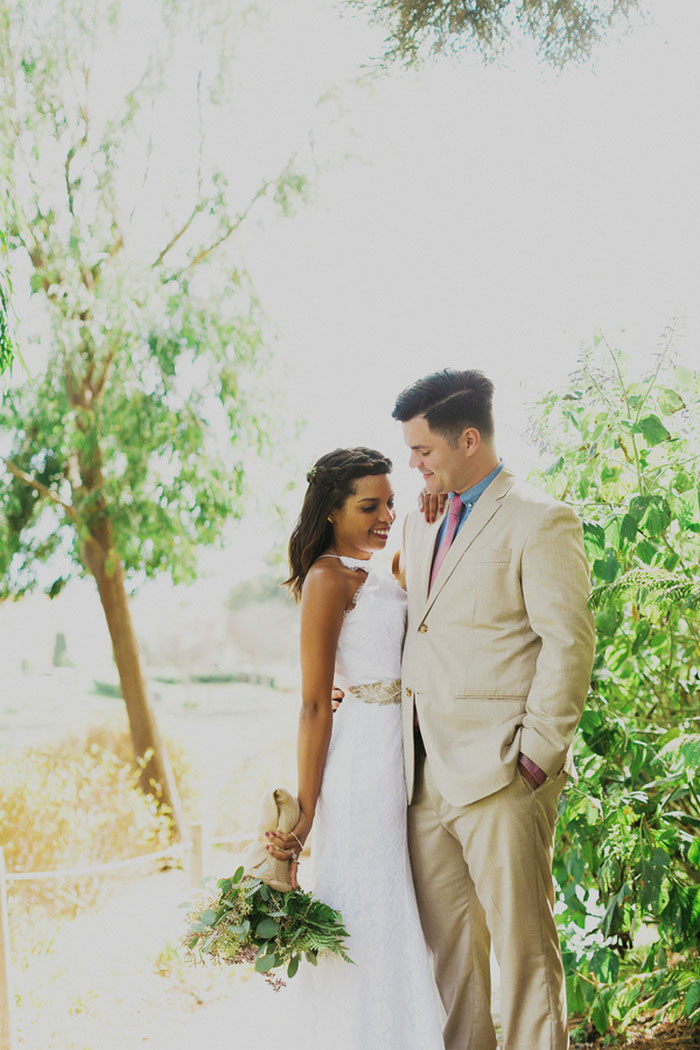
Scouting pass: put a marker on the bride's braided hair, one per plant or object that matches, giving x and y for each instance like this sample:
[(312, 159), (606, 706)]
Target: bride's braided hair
[(331, 480)]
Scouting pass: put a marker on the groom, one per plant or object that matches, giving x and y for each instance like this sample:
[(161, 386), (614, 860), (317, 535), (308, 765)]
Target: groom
[(496, 665)]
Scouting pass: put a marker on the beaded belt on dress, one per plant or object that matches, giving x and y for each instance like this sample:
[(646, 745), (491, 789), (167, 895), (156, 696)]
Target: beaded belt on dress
[(378, 692)]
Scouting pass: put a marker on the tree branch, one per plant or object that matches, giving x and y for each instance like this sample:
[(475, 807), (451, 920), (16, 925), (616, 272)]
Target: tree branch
[(99, 386), (231, 228), (21, 475), (69, 185), (70, 155), (201, 205), (91, 276), (183, 229)]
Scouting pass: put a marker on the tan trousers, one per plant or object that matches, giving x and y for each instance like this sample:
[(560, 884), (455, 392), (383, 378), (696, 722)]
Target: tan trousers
[(483, 873)]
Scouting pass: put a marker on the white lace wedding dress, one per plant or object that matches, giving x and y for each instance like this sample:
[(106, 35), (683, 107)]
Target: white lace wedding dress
[(359, 853)]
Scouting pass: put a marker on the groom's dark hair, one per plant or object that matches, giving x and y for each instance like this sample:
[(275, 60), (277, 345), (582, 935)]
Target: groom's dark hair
[(451, 401)]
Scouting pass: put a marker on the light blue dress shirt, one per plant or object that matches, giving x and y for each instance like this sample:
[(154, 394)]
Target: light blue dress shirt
[(469, 498)]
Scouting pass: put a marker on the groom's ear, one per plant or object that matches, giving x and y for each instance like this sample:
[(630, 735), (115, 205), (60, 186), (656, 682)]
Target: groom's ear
[(470, 440)]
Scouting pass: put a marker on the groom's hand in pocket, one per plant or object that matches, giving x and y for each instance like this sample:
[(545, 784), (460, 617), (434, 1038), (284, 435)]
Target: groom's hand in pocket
[(531, 772)]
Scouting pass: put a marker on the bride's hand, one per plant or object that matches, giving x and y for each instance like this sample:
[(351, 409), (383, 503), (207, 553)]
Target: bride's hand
[(431, 504), (289, 847)]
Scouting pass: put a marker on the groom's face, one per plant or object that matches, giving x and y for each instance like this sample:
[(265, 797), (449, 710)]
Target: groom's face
[(442, 464)]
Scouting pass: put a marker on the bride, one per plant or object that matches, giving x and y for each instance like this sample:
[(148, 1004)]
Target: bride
[(351, 781)]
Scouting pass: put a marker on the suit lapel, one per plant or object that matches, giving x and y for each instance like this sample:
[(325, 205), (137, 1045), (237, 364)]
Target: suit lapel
[(427, 549), (488, 504)]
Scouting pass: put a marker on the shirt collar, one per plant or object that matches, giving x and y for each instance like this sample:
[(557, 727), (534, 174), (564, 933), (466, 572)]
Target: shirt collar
[(470, 497)]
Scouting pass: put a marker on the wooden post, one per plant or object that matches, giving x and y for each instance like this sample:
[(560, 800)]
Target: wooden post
[(196, 854), (6, 997)]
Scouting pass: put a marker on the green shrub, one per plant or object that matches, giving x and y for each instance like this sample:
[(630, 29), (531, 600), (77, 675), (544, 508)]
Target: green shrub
[(625, 454)]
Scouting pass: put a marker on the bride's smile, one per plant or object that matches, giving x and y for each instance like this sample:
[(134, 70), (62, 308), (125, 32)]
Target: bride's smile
[(362, 525)]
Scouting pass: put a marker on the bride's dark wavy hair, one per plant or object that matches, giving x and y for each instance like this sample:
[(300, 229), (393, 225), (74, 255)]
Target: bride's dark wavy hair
[(331, 480)]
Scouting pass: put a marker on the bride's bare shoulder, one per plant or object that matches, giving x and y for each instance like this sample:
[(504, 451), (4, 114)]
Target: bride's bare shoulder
[(329, 583), (325, 576)]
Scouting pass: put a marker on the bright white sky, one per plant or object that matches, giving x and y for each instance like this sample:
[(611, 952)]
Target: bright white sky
[(466, 215), (488, 216)]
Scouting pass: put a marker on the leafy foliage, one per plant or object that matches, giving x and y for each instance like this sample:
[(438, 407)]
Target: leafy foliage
[(147, 411), (566, 31), (130, 449), (653, 588), (625, 453), (248, 922), (7, 340)]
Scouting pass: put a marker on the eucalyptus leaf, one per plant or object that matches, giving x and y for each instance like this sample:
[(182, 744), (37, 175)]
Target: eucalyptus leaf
[(600, 1012), (628, 529), (653, 870), (653, 430), (638, 506), (267, 928), (692, 998), (265, 963), (607, 567), (670, 401), (594, 535), (647, 551), (658, 516)]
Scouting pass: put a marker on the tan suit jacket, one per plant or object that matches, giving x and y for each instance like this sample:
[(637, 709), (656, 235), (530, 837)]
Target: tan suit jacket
[(498, 657)]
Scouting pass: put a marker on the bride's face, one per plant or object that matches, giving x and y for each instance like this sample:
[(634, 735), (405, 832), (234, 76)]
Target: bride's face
[(361, 526)]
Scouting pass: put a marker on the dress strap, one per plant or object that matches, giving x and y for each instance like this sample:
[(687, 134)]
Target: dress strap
[(350, 563)]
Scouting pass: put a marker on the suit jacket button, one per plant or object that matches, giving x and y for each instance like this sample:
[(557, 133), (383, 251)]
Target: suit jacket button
[(423, 628), (409, 693)]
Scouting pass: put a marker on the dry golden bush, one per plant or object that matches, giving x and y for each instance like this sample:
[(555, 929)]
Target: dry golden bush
[(73, 804)]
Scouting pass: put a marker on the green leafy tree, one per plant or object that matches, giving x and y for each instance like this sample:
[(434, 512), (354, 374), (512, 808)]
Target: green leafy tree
[(128, 451), (563, 31), (7, 343), (625, 454)]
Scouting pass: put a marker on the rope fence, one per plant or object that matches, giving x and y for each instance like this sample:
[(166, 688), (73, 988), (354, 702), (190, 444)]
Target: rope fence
[(197, 846)]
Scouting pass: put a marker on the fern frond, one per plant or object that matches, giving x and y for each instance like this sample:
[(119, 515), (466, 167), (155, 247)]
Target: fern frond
[(653, 588)]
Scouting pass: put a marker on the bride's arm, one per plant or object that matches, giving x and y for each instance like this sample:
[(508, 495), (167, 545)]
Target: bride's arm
[(323, 602), (322, 607)]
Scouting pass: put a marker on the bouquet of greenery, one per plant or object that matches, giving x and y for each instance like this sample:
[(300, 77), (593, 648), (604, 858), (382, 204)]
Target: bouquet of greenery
[(249, 922)]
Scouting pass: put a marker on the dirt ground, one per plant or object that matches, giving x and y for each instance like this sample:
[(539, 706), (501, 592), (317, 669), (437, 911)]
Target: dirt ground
[(657, 1037), (116, 978)]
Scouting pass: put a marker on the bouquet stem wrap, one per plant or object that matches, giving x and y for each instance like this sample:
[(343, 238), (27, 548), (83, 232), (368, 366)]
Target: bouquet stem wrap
[(278, 811)]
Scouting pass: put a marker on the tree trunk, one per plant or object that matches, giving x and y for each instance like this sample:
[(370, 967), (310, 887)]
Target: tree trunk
[(157, 776)]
